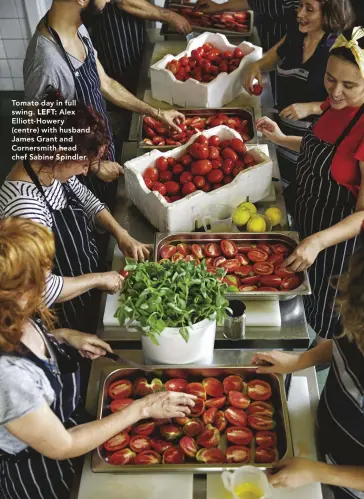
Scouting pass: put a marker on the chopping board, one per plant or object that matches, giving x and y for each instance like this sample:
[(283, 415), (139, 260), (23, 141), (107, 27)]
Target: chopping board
[(112, 300), (261, 313), (302, 428)]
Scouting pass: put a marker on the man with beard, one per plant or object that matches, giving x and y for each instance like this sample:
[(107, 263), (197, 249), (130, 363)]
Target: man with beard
[(61, 54)]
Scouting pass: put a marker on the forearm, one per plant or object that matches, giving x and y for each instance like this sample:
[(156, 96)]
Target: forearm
[(348, 228), (322, 354), (315, 108), (341, 476), (144, 9), (290, 142), (106, 221), (233, 6), (76, 286)]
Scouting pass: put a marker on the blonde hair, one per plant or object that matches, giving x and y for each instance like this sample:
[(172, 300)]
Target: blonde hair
[(26, 255)]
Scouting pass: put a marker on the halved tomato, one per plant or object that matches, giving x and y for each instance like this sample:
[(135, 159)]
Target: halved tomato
[(251, 280), (271, 280), (243, 259), (230, 265), (289, 283), (217, 402), (257, 255), (228, 248), (260, 422), (283, 272), (248, 288), (265, 455), (239, 435), (212, 249), (245, 248), (243, 270), (118, 442), (120, 404), (259, 390), (266, 438), (219, 261), (197, 251), (276, 259), (120, 389), (280, 248), (260, 407), (263, 268), (238, 399), (265, 247)]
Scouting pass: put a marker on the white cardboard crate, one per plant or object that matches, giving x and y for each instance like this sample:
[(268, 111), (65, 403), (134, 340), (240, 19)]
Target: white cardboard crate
[(181, 215), (217, 93)]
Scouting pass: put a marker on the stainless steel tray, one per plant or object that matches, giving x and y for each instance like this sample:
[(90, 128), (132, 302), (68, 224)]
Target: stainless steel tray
[(195, 373), (243, 113), (291, 239)]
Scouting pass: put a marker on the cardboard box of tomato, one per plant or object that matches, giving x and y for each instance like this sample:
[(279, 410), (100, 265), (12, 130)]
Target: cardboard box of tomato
[(218, 92), (182, 214)]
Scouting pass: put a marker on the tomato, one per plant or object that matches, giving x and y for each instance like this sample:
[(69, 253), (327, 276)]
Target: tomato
[(120, 404), (120, 389), (148, 182), (199, 151), (225, 143), (215, 176), (183, 61), (186, 160), (188, 188), (276, 259), (175, 198), (122, 457), (151, 173), (263, 268), (238, 169), (257, 256), (249, 160), (243, 259), (227, 179), (230, 265), (171, 161), (229, 153), (199, 181), (218, 261), (216, 163), (167, 251), (238, 53), (185, 177), (270, 280), (172, 187), (206, 65), (166, 175), (245, 248), (259, 390), (201, 167), (140, 443), (223, 68), (289, 283), (227, 166), (260, 407), (216, 186), (197, 251), (265, 455), (238, 146), (207, 187), (161, 164), (177, 169), (280, 248), (243, 270), (265, 247), (214, 152), (207, 47), (212, 249), (228, 248), (251, 280), (248, 288), (214, 141), (201, 139), (257, 89), (266, 438), (117, 442), (159, 187), (283, 272)]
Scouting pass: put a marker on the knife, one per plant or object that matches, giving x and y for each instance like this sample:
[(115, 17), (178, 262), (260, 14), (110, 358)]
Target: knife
[(122, 360), (190, 37)]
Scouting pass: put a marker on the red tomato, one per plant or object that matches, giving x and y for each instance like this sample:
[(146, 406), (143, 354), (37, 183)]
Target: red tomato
[(228, 54), (238, 146), (201, 167), (206, 65), (185, 160), (230, 265), (216, 186), (283, 272), (276, 259), (171, 161), (237, 170), (225, 143), (266, 438), (185, 177), (212, 249), (214, 141), (207, 47), (227, 166), (166, 175), (117, 442), (265, 455), (199, 181), (177, 169), (199, 151), (228, 179), (243, 270), (251, 280), (168, 199), (201, 139), (162, 164), (271, 280), (265, 247), (159, 187), (249, 160), (289, 283), (263, 268), (280, 248), (223, 68), (183, 61), (259, 390), (246, 287), (216, 163), (172, 187), (229, 248), (207, 187), (257, 89), (229, 153), (148, 182), (257, 255), (175, 198), (214, 152), (238, 53), (151, 173), (188, 188), (215, 176)]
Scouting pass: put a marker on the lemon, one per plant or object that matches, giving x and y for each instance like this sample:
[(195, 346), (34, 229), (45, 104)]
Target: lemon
[(256, 224), (248, 491), (241, 216), (274, 214), (248, 206)]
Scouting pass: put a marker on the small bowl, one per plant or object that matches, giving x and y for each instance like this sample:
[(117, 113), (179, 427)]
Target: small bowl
[(242, 228)]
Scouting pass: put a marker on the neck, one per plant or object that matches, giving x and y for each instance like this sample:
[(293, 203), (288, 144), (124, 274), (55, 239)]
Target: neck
[(65, 18), (44, 174), (315, 36)]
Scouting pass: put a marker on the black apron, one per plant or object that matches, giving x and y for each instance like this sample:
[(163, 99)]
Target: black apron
[(88, 91), (28, 474), (340, 415), (76, 254), (321, 203)]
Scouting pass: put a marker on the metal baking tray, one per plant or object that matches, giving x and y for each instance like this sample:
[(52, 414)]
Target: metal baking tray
[(243, 113), (291, 239), (99, 462), (166, 31)]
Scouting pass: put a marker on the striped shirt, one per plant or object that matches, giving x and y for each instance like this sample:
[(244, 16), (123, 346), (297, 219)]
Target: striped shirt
[(119, 39), (23, 199)]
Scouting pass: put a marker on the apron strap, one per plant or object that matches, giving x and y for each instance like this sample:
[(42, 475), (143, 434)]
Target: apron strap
[(350, 126), (35, 179)]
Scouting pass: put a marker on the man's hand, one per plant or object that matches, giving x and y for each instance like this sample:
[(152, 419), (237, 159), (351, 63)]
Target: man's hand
[(294, 473), (134, 249), (179, 23), (109, 171), (172, 118)]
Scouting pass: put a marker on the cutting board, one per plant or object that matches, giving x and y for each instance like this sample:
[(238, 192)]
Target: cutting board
[(302, 426), (261, 313), (112, 300)]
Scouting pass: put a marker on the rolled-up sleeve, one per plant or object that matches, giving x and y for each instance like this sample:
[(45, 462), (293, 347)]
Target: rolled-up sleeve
[(53, 288), (91, 204)]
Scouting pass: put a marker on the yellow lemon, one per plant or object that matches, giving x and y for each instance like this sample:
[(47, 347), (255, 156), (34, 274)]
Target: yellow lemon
[(248, 206), (256, 224), (241, 216), (248, 491), (274, 214)]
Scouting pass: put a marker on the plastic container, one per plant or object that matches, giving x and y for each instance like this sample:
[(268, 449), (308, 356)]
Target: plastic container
[(219, 92), (253, 480), (173, 349)]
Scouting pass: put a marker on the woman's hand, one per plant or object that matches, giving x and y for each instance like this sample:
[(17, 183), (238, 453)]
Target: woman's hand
[(109, 171), (276, 362), (270, 130), (304, 255), (294, 472), (179, 22), (88, 345), (167, 405), (132, 248), (297, 111), (172, 118), (251, 74), (112, 282)]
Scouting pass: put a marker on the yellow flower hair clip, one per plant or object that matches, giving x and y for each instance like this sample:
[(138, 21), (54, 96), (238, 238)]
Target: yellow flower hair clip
[(353, 45)]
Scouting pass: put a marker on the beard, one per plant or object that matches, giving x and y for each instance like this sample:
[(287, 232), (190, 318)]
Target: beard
[(89, 13)]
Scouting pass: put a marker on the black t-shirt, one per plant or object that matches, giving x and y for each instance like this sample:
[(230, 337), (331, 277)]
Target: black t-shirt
[(298, 81)]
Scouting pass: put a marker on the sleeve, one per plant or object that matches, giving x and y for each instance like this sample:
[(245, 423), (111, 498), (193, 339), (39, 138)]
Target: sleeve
[(23, 389), (35, 84), (84, 32), (90, 202), (28, 207), (53, 287)]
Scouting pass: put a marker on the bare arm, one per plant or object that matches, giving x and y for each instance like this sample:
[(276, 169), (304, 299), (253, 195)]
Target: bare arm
[(271, 131), (211, 7), (76, 286)]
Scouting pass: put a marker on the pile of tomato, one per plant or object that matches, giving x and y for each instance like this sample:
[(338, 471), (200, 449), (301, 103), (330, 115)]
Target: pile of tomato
[(207, 165), (249, 267), (240, 411), (231, 21), (160, 135)]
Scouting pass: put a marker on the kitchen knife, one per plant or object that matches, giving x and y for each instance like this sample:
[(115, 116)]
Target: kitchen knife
[(190, 37), (122, 360)]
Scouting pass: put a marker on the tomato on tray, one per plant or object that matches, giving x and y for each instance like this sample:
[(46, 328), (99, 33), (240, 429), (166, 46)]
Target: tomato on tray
[(263, 268), (259, 390)]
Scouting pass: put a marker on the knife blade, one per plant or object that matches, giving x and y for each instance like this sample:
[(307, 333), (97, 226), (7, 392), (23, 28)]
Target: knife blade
[(122, 360)]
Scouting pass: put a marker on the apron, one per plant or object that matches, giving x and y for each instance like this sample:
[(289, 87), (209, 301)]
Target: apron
[(321, 203), (88, 91), (28, 474), (340, 414), (76, 254)]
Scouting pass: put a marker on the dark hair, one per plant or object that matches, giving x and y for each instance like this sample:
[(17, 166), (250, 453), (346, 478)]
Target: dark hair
[(338, 15), (79, 117), (345, 53)]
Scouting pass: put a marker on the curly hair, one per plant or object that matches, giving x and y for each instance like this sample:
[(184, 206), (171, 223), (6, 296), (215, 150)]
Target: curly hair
[(26, 254)]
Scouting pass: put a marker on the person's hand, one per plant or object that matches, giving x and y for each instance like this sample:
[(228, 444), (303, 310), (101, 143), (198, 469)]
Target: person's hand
[(276, 362), (251, 74), (134, 249), (179, 23), (109, 171), (167, 405), (304, 255), (88, 345), (270, 129), (294, 472), (172, 118), (112, 282), (296, 111), (208, 6)]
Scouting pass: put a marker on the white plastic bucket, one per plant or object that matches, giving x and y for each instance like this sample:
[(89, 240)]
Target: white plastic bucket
[(173, 349), (246, 475)]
